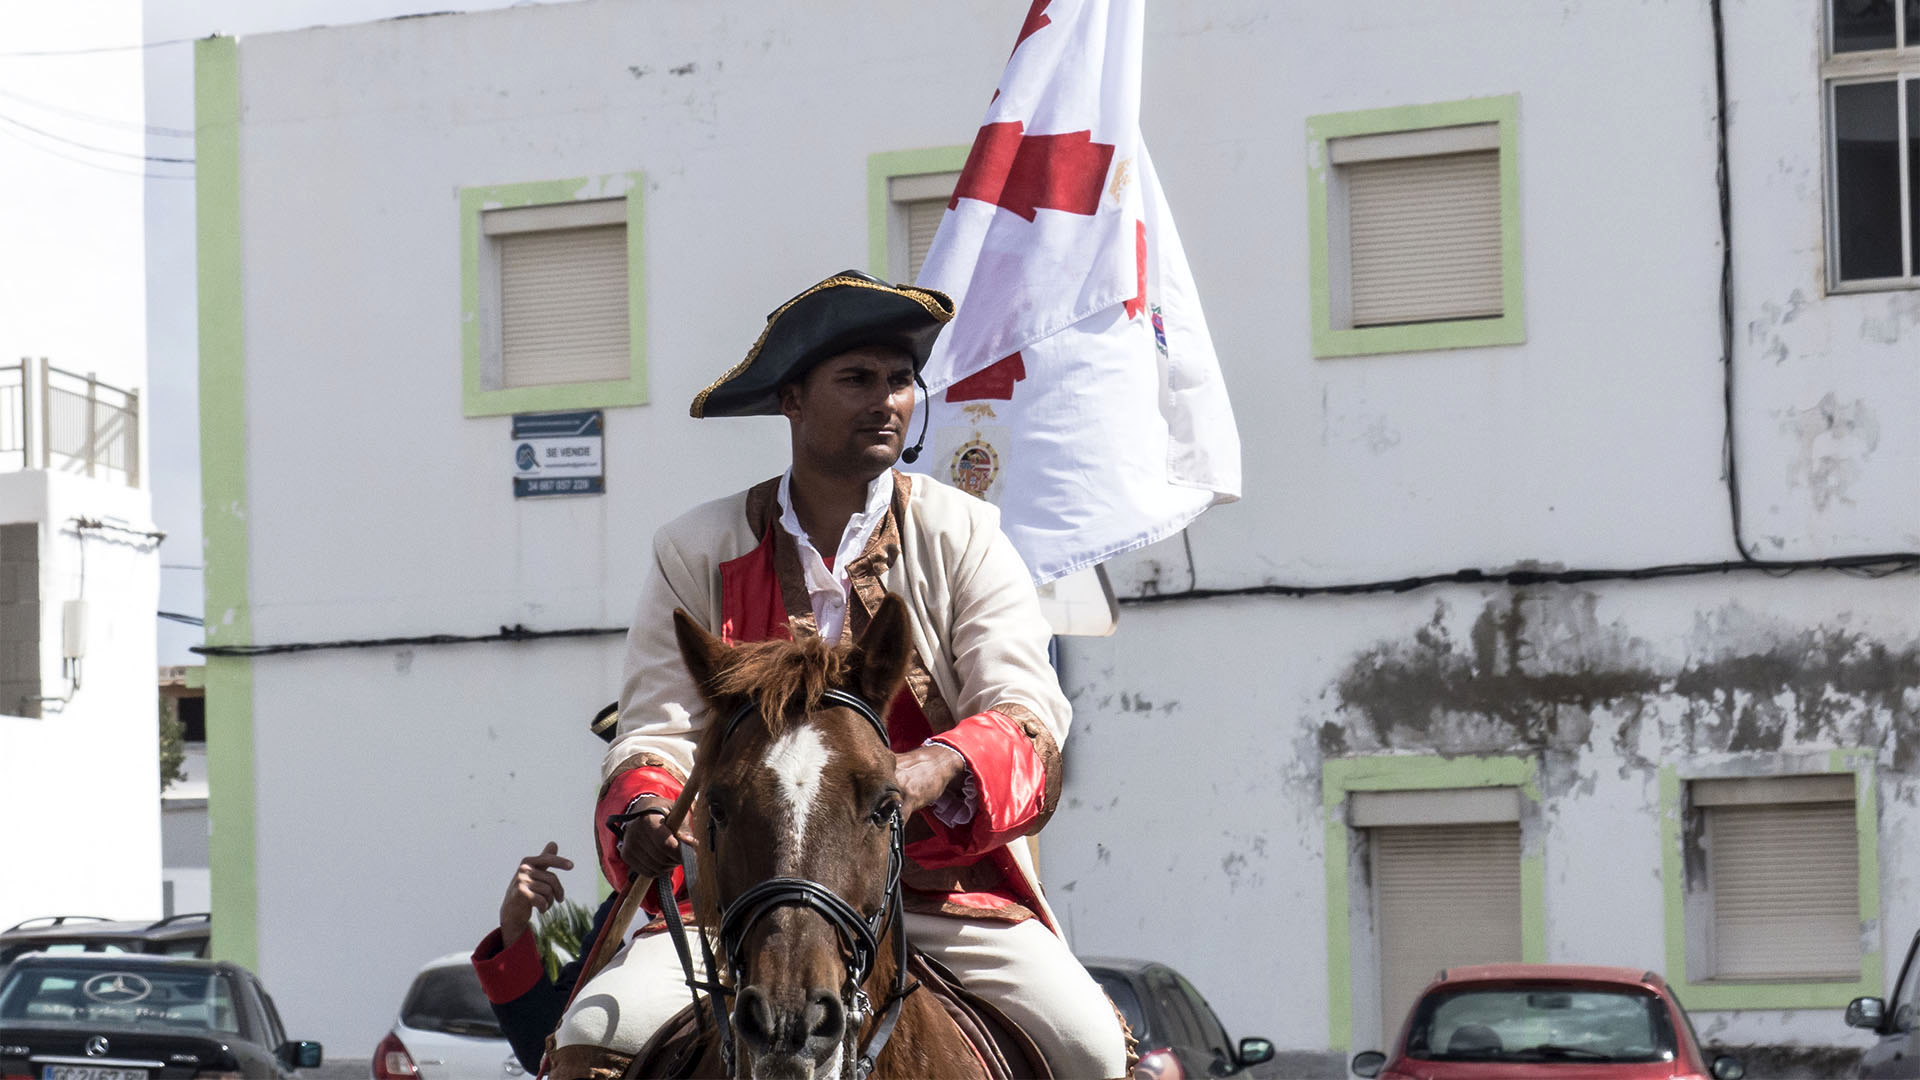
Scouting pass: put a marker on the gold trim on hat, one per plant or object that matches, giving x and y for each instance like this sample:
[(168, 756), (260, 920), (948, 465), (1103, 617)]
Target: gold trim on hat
[(937, 303)]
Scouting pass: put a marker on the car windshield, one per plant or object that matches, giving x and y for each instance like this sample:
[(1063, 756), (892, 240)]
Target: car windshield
[(151, 997), (1541, 1023), (449, 999)]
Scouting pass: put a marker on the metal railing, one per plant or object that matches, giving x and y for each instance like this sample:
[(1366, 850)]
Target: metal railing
[(63, 421)]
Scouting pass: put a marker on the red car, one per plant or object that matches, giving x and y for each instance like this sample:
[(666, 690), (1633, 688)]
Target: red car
[(1559, 1021)]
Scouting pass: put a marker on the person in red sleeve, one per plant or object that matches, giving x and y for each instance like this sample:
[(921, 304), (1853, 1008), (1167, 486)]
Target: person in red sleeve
[(977, 728)]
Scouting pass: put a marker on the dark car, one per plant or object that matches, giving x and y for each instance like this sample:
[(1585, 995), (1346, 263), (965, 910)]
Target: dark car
[(1179, 1036), (178, 935), (93, 1016), (1535, 1021), (1897, 1055)]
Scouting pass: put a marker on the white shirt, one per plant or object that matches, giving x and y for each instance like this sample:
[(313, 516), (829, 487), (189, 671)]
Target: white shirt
[(829, 590)]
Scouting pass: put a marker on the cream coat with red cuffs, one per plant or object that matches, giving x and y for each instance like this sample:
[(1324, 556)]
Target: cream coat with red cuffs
[(978, 632)]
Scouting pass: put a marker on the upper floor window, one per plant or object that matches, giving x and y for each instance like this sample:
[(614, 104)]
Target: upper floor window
[(1872, 79)]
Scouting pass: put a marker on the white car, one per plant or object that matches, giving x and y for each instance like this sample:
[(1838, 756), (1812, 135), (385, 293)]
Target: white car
[(446, 1030)]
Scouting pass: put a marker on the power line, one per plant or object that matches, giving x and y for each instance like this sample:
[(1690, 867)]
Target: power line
[(180, 617), (94, 118), (96, 49), (515, 632), (64, 156), (96, 149)]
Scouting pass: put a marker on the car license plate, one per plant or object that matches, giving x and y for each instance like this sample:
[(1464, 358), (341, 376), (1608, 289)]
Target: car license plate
[(92, 1072)]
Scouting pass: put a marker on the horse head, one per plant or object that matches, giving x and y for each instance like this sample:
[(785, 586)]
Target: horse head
[(801, 835)]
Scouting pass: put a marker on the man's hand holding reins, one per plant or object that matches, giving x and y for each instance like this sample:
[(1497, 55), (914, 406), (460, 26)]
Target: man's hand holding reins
[(648, 847), (924, 773), (534, 885)]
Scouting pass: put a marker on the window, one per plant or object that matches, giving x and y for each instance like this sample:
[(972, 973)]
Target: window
[(907, 194), (1414, 228), (553, 317), (1872, 75), (1783, 876), (1445, 895)]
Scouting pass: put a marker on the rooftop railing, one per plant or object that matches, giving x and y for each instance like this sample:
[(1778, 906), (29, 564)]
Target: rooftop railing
[(63, 421)]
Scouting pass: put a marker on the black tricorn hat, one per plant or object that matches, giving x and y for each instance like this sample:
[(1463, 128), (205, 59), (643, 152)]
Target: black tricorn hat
[(848, 310)]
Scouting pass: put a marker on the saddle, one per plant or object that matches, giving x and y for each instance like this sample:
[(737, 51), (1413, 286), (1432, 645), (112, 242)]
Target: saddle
[(677, 1049)]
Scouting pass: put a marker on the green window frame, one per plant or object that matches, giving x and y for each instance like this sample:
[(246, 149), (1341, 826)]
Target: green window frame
[(478, 399), (1330, 340), (882, 219), (1716, 994), (1340, 777)]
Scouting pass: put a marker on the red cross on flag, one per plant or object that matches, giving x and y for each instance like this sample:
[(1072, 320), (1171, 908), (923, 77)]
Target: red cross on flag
[(1077, 387)]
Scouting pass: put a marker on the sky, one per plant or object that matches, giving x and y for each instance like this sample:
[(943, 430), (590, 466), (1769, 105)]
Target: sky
[(172, 340)]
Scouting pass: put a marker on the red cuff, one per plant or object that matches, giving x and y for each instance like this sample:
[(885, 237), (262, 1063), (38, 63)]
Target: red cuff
[(625, 788), (507, 973), (1010, 782)]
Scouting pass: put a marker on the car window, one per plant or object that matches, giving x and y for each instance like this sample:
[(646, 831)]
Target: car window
[(1171, 1005), (152, 998), (275, 1029), (1541, 1023), (1903, 995), (1124, 999), (1213, 1037), (449, 999)]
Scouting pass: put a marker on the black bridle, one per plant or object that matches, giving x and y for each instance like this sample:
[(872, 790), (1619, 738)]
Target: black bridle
[(859, 934)]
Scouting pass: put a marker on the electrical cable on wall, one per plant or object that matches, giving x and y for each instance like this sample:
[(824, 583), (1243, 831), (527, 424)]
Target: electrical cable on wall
[(1868, 565)]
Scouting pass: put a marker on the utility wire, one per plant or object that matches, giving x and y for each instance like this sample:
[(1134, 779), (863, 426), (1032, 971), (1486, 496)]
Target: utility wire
[(4, 118), (94, 118), (96, 49), (515, 632), (181, 617), (64, 156)]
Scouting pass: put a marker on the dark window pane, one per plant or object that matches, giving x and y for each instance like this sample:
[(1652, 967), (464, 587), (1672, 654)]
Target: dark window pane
[(1866, 166), (1862, 24), (1913, 22), (1913, 165)]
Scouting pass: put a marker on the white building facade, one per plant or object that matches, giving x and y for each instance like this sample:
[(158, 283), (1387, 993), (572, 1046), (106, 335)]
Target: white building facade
[(78, 551), (1707, 771)]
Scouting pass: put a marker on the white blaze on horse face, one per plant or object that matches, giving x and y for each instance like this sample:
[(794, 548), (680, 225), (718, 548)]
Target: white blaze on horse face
[(798, 760)]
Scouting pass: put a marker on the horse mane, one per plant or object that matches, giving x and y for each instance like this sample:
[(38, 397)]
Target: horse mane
[(782, 678)]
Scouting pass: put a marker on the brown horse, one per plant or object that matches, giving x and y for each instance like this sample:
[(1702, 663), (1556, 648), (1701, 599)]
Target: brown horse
[(798, 823)]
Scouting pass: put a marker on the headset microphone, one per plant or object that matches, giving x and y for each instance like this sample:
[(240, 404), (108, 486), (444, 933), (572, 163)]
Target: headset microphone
[(912, 453)]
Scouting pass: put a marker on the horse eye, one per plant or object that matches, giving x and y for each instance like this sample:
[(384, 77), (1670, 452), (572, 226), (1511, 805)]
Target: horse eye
[(717, 814), (883, 811)]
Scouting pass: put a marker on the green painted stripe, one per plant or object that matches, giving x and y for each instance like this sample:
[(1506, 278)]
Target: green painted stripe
[(223, 488)]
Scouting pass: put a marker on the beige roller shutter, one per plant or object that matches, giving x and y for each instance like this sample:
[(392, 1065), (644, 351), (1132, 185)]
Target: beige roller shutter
[(1424, 238), (563, 306), (1445, 895), (923, 220), (1785, 881)]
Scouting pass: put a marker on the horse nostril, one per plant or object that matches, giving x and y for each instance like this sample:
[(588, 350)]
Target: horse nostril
[(753, 1016), (826, 1017)]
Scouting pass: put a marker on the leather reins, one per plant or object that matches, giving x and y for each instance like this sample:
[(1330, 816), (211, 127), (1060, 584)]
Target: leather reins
[(859, 935)]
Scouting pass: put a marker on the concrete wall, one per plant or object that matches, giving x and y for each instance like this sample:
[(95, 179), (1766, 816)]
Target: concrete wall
[(372, 508)]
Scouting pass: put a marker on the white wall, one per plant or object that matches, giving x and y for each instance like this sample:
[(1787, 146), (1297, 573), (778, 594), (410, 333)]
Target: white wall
[(376, 509), (82, 781)]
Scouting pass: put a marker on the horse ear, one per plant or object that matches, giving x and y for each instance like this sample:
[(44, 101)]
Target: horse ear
[(701, 651), (880, 656)]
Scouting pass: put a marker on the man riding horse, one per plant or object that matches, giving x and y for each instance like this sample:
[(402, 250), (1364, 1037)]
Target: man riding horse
[(977, 728)]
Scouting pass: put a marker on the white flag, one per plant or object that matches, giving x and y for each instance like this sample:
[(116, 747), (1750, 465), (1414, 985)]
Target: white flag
[(1077, 387)]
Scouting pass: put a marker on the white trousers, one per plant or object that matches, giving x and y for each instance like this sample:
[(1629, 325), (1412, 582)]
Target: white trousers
[(1023, 968)]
